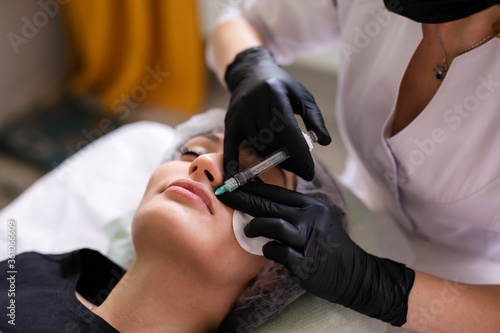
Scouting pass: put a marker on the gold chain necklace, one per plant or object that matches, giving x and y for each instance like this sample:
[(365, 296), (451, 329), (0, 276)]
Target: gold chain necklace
[(442, 68)]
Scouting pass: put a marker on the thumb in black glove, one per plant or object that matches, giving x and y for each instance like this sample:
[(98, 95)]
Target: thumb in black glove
[(264, 98), (313, 246)]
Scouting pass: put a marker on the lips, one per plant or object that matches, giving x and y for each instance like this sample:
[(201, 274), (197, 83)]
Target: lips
[(194, 192)]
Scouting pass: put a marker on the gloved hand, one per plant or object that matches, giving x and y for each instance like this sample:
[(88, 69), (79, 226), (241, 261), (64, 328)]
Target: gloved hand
[(314, 247), (264, 98)]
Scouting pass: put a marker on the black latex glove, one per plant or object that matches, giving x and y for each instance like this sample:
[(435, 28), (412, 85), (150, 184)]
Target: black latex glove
[(314, 247), (264, 98)]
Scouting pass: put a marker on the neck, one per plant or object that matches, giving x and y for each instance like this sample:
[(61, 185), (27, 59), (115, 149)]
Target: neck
[(462, 33), (151, 298)]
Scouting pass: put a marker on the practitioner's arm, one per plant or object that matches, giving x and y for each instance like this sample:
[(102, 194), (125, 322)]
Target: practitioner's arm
[(230, 38), (438, 305)]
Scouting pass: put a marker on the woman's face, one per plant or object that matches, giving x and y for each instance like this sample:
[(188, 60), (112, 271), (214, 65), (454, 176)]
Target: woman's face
[(180, 220)]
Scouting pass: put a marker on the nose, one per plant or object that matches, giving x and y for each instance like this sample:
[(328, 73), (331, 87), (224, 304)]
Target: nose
[(207, 167)]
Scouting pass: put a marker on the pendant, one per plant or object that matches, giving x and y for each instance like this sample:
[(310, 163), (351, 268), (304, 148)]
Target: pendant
[(440, 72)]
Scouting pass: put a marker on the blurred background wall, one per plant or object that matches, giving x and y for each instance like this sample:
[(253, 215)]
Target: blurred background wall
[(33, 59)]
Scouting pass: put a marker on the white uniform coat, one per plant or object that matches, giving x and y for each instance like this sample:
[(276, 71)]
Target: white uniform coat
[(440, 176)]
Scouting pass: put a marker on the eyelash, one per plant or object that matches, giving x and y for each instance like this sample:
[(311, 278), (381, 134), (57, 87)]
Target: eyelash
[(189, 151)]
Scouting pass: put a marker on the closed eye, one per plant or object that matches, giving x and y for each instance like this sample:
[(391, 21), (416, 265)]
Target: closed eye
[(190, 152)]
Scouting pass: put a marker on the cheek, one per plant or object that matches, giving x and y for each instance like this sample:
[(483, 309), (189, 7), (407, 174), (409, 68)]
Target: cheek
[(193, 241), (152, 228), (170, 229), (175, 232), (232, 261), (271, 177)]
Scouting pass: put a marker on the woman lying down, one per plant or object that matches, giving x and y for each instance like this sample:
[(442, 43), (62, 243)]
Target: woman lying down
[(189, 274)]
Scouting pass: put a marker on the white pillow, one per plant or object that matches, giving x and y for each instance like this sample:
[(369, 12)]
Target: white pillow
[(67, 208)]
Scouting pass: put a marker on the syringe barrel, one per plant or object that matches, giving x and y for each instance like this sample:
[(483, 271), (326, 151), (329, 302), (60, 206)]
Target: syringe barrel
[(269, 162), (243, 177)]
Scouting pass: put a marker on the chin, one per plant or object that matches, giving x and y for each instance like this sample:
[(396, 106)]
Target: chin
[(168, 226)]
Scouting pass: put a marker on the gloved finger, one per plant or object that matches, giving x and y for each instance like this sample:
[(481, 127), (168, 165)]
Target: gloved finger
[(256, 205), (283, 254), (282, 103), (300, 162), (307, 108), (275, 228), (277, 126), (278, 195), (284, 124), (259, 199), (232, 142)]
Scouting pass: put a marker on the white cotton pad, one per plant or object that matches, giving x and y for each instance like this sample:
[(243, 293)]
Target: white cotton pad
[(251, 245)]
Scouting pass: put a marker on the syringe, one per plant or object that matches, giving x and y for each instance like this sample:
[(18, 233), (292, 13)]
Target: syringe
[(272, 160)]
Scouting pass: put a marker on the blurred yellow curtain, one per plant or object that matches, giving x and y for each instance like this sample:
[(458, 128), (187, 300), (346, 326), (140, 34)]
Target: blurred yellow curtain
[(132, 51)]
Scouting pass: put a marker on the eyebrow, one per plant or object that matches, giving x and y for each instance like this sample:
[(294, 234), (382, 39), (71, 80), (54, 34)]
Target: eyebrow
[(212, 137)]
